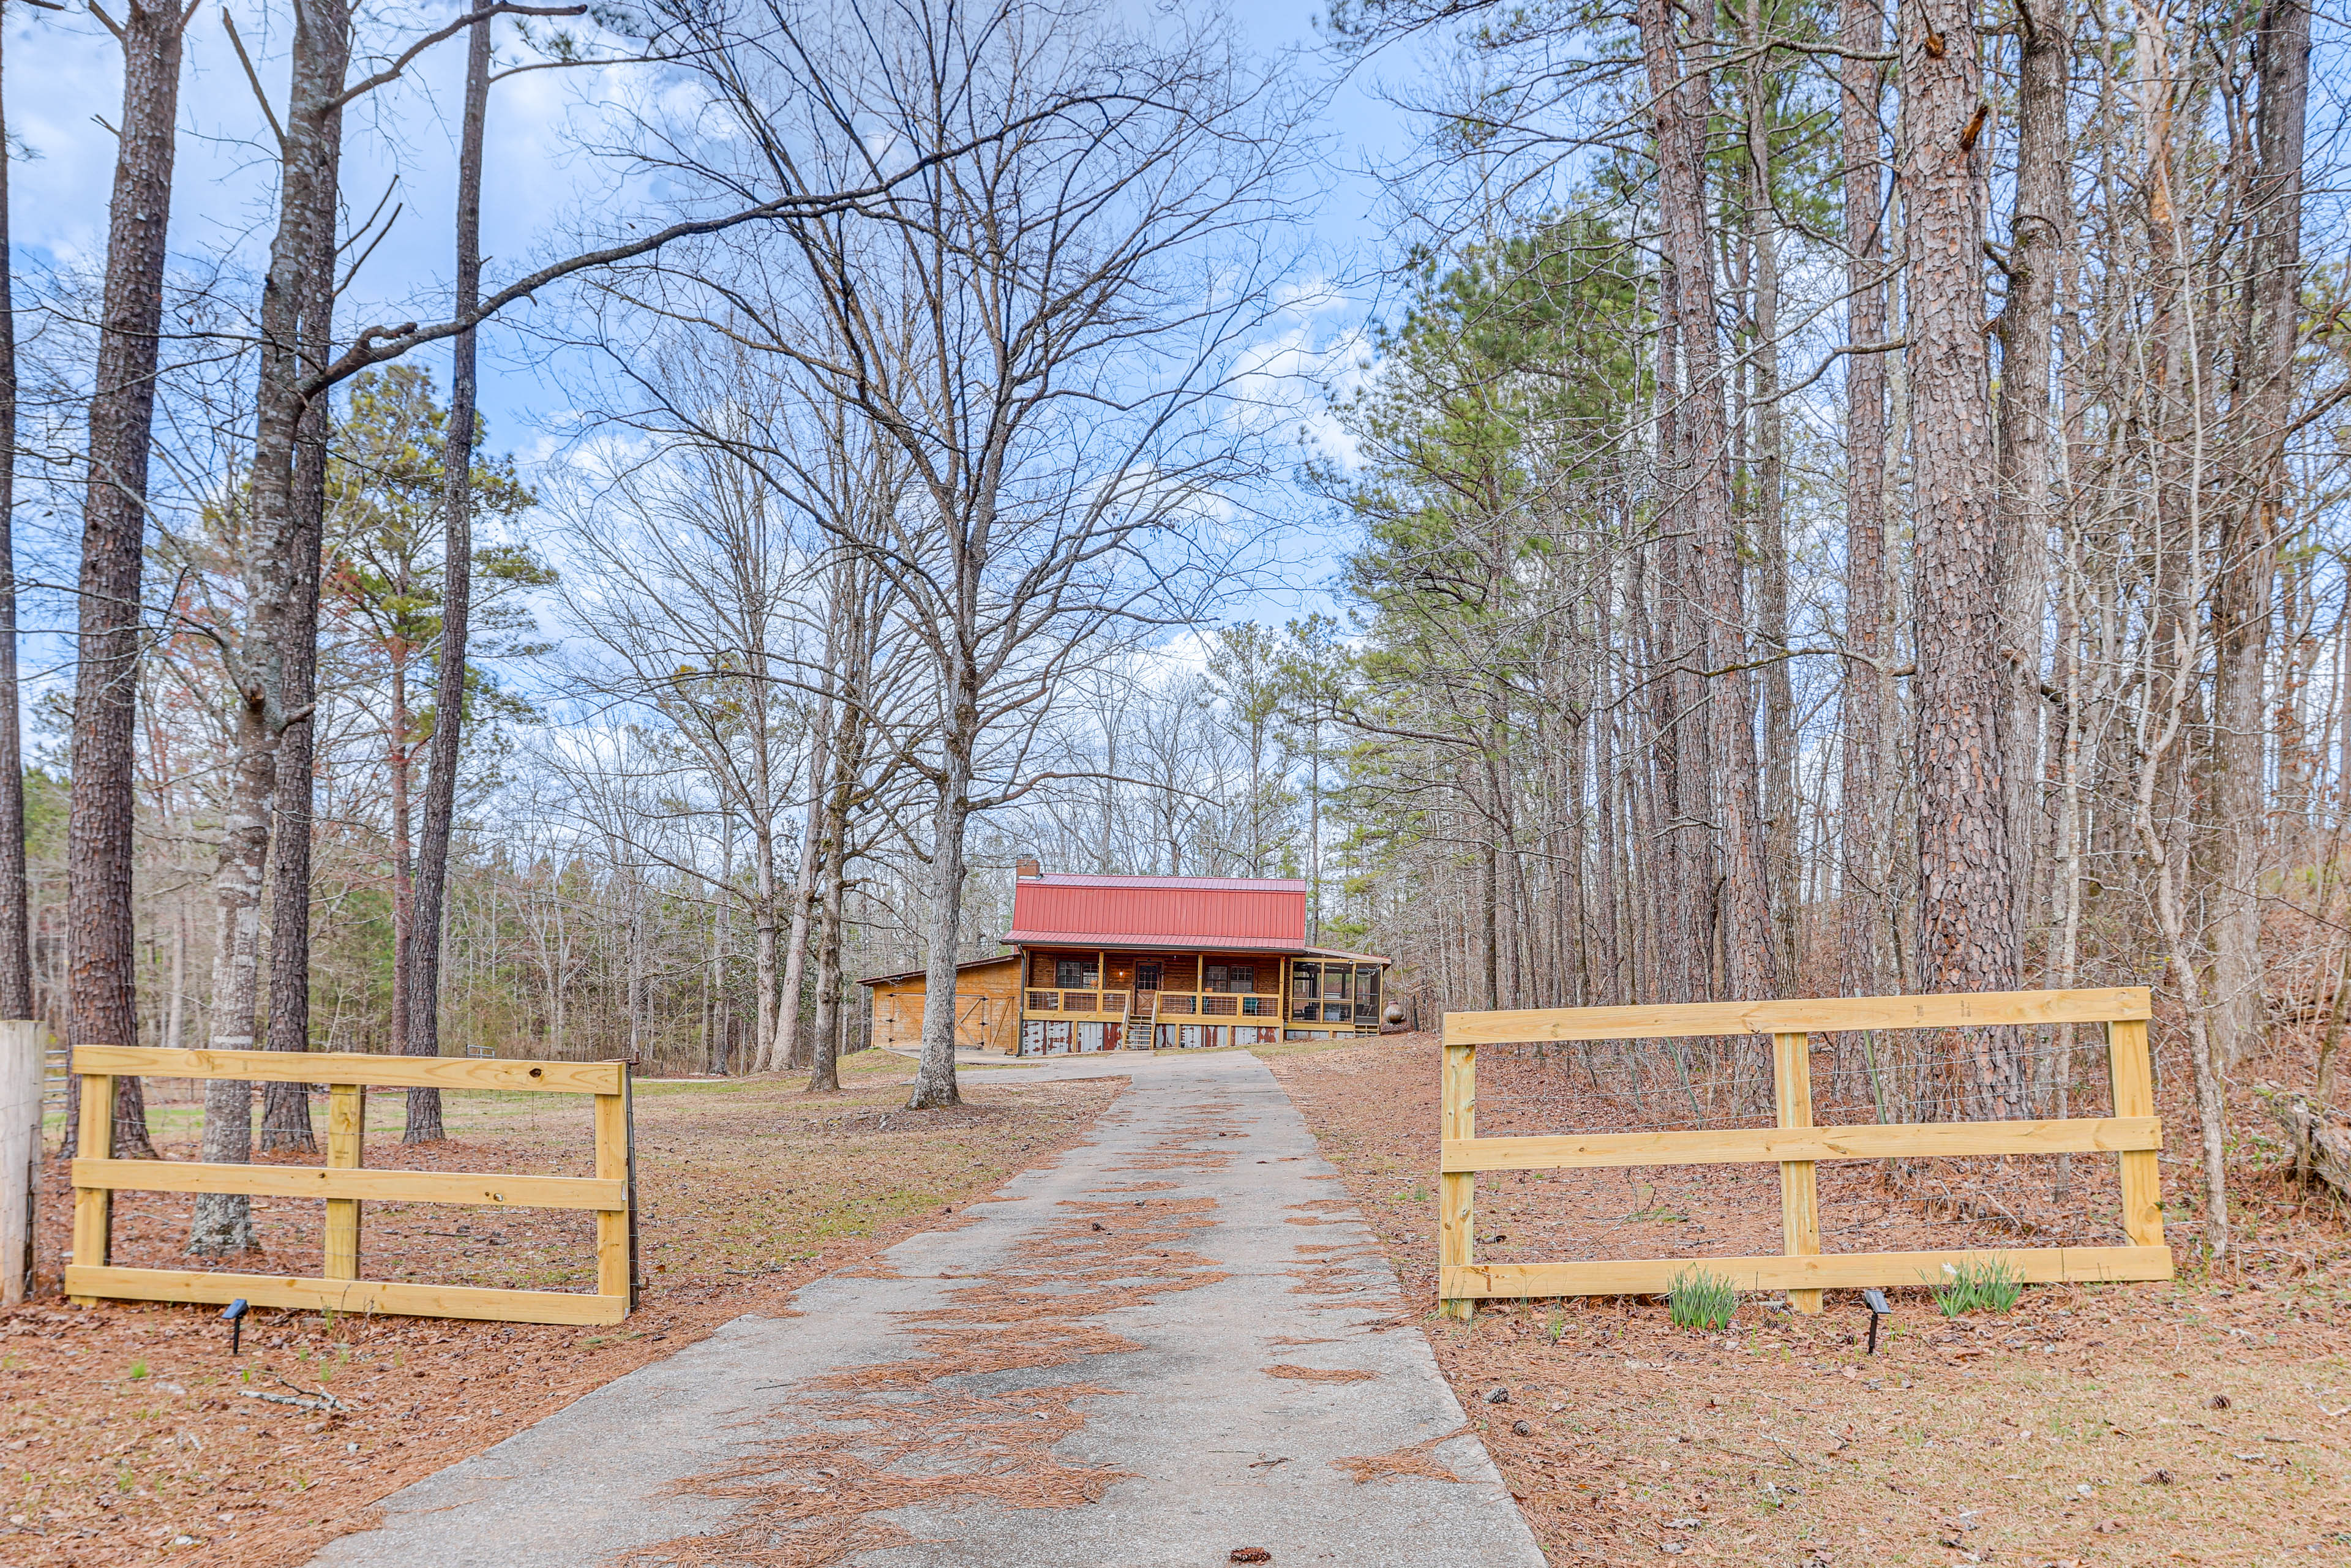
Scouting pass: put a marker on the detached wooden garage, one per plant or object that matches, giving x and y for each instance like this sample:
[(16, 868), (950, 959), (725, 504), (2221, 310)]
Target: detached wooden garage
[(987, 1006)]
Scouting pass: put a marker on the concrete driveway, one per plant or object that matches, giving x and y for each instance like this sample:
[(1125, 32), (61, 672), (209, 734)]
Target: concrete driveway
[(1178, 1341)]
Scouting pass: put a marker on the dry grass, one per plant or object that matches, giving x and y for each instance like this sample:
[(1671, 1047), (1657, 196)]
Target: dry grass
[(132, 1442), (2081, 1428)]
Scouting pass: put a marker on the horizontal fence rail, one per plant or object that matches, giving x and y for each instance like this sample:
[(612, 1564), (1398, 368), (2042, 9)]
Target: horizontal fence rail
[(2134, 1135), (344, 1184)]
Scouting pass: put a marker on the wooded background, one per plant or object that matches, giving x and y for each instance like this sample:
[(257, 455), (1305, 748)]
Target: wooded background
[(1832, 501)]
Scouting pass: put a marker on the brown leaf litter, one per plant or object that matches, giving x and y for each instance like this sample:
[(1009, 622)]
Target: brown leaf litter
[(1412, 1460), (1318, 1373)]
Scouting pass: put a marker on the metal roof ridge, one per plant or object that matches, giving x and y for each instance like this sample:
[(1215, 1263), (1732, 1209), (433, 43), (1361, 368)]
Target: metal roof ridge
[(1152, 941), (1156, 880)]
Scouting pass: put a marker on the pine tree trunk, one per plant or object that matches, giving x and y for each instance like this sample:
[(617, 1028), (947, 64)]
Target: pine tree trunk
[(1966, 917), (15, 933), (2247, 569), (322, 58), (457, 609), (401, 764), (1681, 94), (102, 957), (2042, 228), (1862, 872), (1771, 544)]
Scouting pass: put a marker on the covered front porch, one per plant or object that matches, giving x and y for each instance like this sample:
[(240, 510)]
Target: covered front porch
[(1075, 1001)]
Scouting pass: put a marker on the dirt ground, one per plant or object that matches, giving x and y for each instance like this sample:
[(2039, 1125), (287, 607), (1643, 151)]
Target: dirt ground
[(2196, 1421), (132, 1436)]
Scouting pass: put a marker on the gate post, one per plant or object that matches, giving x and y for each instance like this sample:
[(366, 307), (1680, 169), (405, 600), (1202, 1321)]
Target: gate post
[(2133, 1077), (1456, 1191), (346, 1136), (93, 1211), (1800, 1193)]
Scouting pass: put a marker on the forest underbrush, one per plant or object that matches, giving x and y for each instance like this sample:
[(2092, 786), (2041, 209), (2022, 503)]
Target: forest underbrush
[(2196, 1420)]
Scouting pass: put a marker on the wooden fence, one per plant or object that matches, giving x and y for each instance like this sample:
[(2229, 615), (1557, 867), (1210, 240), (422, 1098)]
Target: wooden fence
[(344, 1184), (2132, 1133)]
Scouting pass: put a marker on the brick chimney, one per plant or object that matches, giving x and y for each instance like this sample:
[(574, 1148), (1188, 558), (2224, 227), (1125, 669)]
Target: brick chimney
[(1027, 869)]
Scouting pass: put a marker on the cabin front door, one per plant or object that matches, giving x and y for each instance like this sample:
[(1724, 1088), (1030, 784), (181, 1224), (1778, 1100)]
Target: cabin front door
[(1146, 976)]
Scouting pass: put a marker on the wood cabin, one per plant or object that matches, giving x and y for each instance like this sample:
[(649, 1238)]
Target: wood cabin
[(1173, 962)]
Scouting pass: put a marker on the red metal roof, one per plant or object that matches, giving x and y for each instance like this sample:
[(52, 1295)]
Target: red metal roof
[(1238, 913)]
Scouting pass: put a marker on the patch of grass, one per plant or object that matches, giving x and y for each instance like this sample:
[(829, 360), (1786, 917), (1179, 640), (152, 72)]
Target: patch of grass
[(1988, 1286), (1699, 1300), (138, 1370)]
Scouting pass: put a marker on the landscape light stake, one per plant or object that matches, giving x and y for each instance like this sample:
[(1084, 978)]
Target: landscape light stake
[(234, 1315), (1874, 1298)]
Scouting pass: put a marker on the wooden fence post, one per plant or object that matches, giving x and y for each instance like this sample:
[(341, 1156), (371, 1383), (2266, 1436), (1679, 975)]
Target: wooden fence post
[(628, 1123), (612, 1224), (1456, 1191), (346, 1136), (2133, 1077), (93, 1214), (1799, 1196)]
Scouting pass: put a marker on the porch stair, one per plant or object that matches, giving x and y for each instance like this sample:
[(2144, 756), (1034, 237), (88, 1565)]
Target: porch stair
[(1150, 1022)]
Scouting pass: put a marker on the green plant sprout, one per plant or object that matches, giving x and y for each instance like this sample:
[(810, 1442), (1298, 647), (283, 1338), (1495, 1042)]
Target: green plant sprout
[(1698, 1299), (1989, 1285)]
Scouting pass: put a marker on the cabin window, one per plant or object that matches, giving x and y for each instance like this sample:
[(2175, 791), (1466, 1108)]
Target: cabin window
[(1074, 973), (1239, 979)]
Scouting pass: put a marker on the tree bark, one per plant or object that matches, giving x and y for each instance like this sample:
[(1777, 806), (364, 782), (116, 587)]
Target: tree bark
[(1771, 545), (1678, 86), (223, 1221), (456, 607), (15, 934), (1862, 872), (1967, 916), (786, 1003), (2246, 572), (934, 1081), (854, 662), (102, 957), (322, 51), (824, 1067), (274, 579), (2038, 235)]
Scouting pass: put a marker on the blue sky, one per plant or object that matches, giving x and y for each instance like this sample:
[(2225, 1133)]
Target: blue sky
[(64, 72)]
